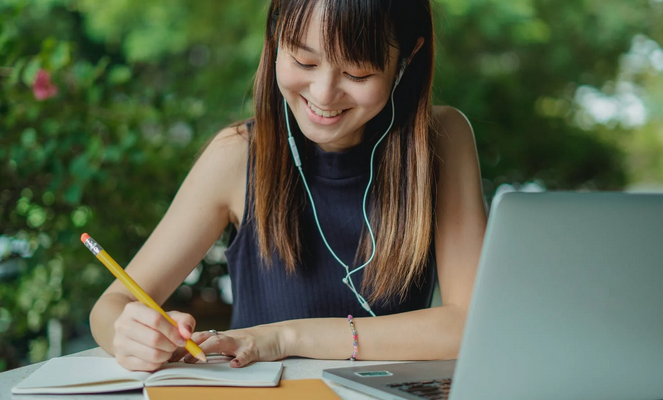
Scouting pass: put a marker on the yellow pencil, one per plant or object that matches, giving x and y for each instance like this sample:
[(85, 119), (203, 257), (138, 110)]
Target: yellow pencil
[(136, 290)]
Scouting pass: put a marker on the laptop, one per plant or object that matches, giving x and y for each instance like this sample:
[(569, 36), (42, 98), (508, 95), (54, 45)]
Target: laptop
[(567, 304)]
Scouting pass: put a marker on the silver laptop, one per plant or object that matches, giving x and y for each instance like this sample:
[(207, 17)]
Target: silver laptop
[(568, 304)]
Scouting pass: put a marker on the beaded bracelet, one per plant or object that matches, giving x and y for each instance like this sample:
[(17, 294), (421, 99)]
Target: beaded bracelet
[(354, 338)]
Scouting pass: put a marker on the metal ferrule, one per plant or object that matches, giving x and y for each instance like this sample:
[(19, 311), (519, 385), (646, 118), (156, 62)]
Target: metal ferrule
[(93, 246)]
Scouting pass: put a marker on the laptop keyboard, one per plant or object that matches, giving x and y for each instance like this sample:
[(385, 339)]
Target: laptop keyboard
[(437, 389)]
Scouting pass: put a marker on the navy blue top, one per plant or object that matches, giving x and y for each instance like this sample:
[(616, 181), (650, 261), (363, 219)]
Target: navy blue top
[(262, 294)]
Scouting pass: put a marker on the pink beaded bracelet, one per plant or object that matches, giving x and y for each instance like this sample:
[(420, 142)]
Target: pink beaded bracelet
[(354, 338)]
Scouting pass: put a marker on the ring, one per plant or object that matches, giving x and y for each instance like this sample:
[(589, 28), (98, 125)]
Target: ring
[(213, 332)]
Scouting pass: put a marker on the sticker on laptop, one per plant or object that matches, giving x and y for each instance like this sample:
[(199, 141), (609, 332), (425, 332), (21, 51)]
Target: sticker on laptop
[(371, 374)]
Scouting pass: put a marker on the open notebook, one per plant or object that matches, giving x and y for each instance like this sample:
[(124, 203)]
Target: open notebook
[(76, 375)]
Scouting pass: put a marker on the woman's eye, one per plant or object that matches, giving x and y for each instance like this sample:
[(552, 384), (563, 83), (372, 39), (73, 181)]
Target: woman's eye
[(358, 78), (349, 76), (301, 65)]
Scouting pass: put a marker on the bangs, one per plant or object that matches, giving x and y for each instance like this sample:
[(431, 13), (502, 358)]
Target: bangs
[(357, 32)]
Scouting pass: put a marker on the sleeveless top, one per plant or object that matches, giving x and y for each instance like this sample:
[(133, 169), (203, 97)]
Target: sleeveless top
[(265, 294)]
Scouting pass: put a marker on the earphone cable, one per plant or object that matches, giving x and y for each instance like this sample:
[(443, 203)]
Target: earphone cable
[(293, 147)]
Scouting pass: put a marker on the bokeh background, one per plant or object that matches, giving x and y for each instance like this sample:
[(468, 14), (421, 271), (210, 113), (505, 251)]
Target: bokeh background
[(104, 105)]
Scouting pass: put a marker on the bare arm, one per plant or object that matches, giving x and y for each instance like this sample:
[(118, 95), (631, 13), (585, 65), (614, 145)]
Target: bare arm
[(196, 218), (433, 333), (426, 334)]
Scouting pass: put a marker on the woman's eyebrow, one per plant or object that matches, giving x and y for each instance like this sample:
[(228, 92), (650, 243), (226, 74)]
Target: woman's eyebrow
[(304, 47)]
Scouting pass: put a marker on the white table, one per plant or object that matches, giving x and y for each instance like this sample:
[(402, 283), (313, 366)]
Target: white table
[(294, 368)]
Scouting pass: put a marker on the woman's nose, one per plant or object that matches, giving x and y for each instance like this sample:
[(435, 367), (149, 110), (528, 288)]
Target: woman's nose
[(325, 90)]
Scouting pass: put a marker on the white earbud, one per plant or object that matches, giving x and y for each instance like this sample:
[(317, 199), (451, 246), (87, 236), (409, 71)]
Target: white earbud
[(401, 71)]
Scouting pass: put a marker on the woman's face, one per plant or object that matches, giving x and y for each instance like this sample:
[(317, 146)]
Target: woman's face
[(331, 102)]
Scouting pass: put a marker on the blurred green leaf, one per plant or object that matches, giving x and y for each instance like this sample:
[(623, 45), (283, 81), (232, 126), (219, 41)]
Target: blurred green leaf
[(60, 57), (532, 31), (29, 137), (119, 74), (15, 75), (30, 71), (73, 194)]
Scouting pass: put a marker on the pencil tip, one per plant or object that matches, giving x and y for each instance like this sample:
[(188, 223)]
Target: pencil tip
[(84, 237), (202, 357)]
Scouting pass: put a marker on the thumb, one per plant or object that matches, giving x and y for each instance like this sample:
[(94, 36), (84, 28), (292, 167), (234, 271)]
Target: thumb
[(185, 323)]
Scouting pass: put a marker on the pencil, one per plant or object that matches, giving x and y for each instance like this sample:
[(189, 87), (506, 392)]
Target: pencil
[(136, 290)]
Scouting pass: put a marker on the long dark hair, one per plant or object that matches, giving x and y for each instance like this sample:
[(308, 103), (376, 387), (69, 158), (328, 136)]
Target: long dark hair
[(358, 31)]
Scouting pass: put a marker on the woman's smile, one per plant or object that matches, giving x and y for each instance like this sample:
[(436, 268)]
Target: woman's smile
[(323, 117)]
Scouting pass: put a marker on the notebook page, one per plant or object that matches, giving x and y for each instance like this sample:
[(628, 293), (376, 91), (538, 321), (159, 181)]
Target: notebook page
[(81, 375), (217, 372)]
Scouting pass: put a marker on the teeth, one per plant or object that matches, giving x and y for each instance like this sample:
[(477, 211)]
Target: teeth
[(326, 114)]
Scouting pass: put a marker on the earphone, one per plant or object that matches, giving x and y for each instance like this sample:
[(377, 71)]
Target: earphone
[(347, 280), (401, 71)]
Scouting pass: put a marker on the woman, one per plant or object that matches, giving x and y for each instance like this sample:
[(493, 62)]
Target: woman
[(343, 86)]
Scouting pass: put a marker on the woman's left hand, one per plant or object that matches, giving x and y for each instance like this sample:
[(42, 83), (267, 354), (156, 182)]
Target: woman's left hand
[(259, 343)]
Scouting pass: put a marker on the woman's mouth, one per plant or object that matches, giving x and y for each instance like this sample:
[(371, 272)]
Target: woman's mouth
[(323, 117), (323, 113)]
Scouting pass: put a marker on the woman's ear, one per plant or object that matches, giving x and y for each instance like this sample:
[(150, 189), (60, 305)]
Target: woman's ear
[(417, 46)]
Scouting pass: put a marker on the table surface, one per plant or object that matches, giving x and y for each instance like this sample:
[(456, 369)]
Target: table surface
[(294, 368)]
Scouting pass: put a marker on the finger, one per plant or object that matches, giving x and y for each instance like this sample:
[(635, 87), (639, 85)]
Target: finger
[(242, 359), (149, 355), (178, 354), (136, 331), (200, 337), (133, 363), (154, 320), (218, 343), (185, 323)]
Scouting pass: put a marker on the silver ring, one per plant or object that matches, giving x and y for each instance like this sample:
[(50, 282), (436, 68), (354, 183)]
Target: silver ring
[(213, 332)]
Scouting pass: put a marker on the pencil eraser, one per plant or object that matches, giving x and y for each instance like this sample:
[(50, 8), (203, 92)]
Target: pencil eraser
[(84, 237)]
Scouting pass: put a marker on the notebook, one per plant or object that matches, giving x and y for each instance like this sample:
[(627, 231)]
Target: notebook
[(567, 304), (77, 375)]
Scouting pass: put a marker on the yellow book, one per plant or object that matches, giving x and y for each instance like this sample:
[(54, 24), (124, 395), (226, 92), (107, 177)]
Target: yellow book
[(299, 389)]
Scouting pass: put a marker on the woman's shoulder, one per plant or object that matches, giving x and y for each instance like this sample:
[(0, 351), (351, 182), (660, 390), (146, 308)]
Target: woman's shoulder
[(452, 131), (450, 123), (223, 163), (228, 146), (234, 135)]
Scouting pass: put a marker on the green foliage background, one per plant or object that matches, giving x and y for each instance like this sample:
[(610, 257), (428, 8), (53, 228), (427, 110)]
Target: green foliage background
[(143, 85)]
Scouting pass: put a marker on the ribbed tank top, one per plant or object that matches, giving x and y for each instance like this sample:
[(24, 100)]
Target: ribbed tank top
[(262, 294)]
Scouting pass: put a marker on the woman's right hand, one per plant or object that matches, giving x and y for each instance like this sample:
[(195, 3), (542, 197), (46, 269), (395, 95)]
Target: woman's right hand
[(144, 340)]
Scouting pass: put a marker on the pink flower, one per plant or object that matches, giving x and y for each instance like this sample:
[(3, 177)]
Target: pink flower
[(43, 88)]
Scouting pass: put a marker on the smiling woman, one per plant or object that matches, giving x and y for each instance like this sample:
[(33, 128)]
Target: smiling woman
[(351, 195), (339, 41)]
